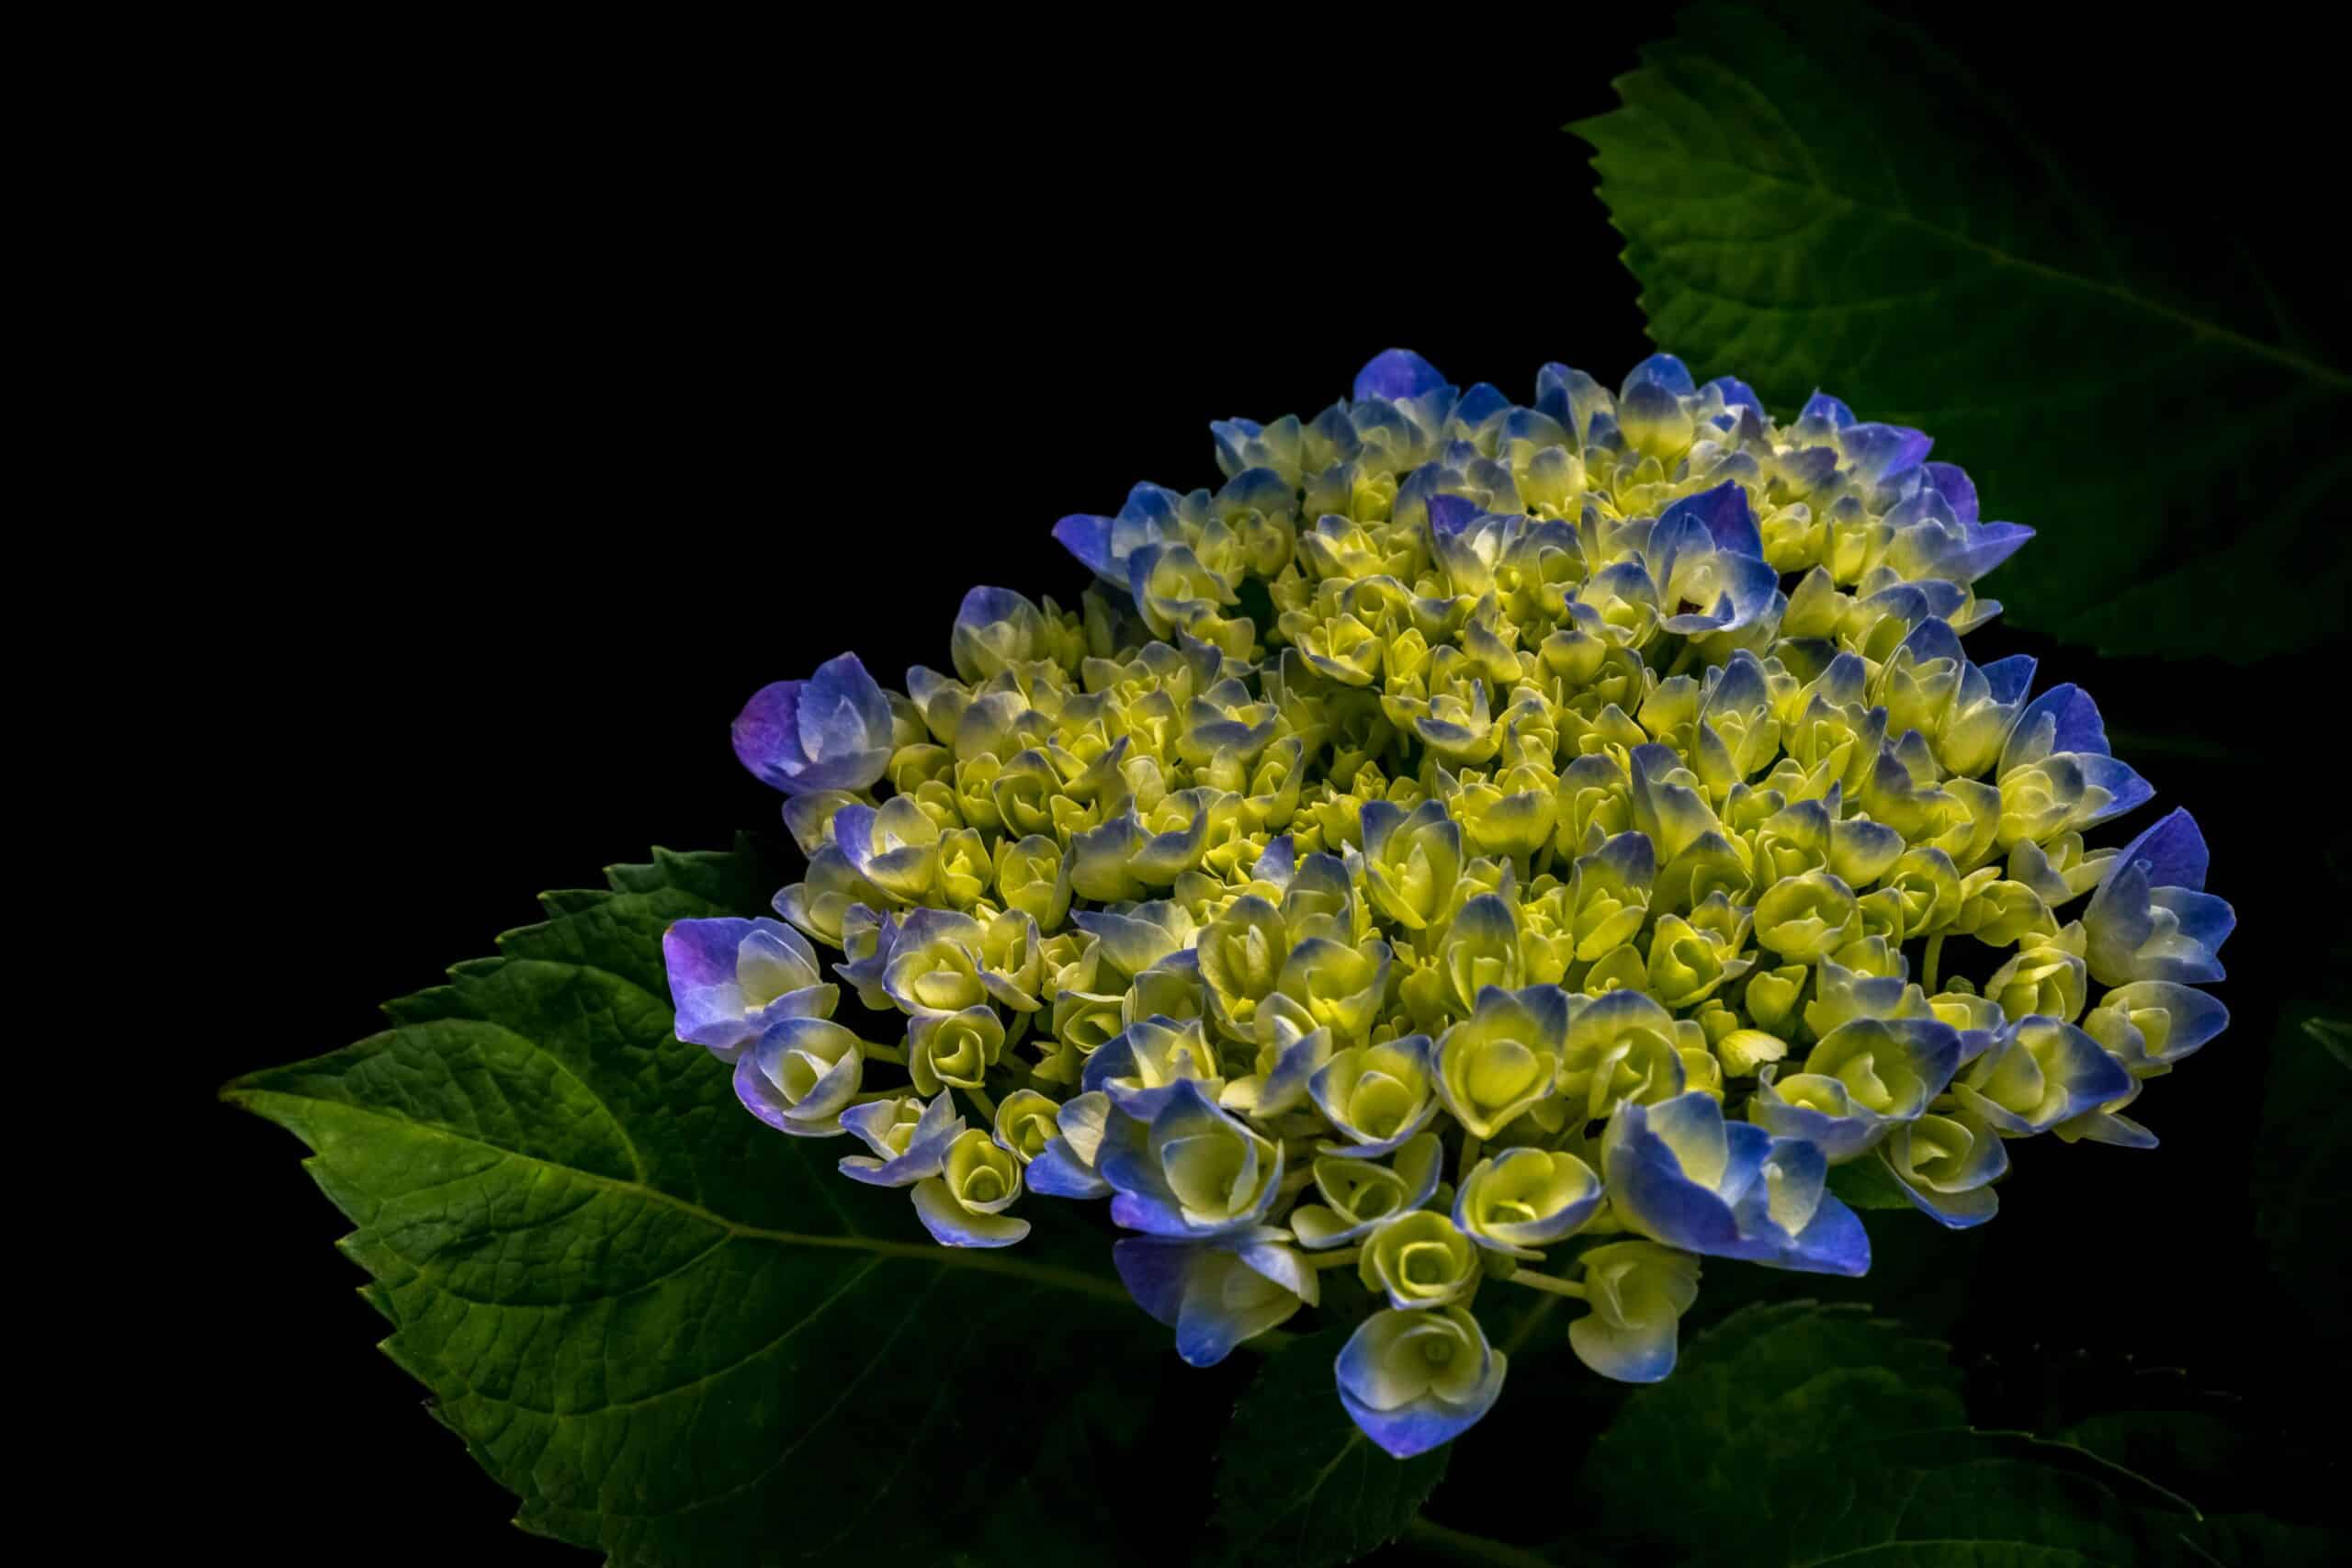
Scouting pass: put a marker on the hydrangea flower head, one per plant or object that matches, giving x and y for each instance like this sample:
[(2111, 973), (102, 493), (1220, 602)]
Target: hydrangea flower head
[(1476, 846)]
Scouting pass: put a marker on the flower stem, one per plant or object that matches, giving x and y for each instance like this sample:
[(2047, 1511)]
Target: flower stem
[(1551, 1283), (1934, 963), (980, 1098), (1471, 1142), (890, 1053), (1339, 1259)]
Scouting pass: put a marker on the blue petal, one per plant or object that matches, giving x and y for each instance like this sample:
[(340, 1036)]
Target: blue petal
[(1397, 373), (1649, 1192), (1933, 638), (1632, 855), (1450, 514), (2172, 849), (1952, 483), (1823, 407), (1088, 538), (1834, 1242), (1661, 370), (2202, 917), (2075, 718), (1479, 404), (1725, 513), (844, 681), (1059, 1173), (1988, 546), (1738, 394), (1154, 1273), (1571, 396), (2091, 1075), (1881, 453), (1954, 1210), (1415, 1429), (1261, 490), (700, 956), (2126, 787), (952, 1225), (2196, 1016), (1839, 1138), (1378, 820), (1424, 1423), (2010, 678)]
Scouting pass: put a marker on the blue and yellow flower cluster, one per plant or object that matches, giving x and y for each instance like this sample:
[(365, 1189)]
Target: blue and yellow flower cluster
[(1478, 846)]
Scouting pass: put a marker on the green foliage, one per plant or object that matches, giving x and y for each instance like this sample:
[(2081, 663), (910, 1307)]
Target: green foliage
[(1800, 1434), (1866, 1183), (1297, 1483), (1770, 1390), (677, 1336), (1823, 197)]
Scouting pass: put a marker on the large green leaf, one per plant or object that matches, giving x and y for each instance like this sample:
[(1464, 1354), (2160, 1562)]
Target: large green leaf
[(1298, 1484), (677, 1336), (1956, 1499), (1819, 195), (1796, 1435), (2235, 1467), (1767, 1388)]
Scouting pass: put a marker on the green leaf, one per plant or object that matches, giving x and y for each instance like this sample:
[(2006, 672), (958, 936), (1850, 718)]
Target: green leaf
[(1798, 1435), (1866, 1183), (2220, 1457), (2300, 1157), (1766, 1387), (1956, 1499), (677, 1336), (2257, 1540), (1822, 197), (1298, 1484)]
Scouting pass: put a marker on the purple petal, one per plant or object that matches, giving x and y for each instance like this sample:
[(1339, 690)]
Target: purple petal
[(767, 735)]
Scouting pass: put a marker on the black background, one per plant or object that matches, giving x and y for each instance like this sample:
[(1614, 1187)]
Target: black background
[(599, 385)]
